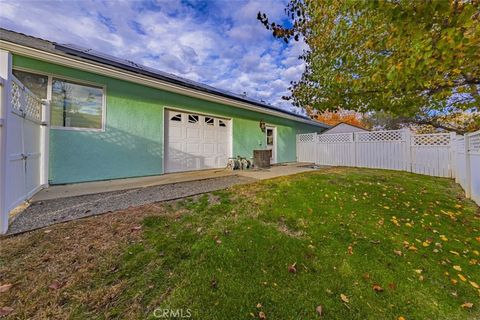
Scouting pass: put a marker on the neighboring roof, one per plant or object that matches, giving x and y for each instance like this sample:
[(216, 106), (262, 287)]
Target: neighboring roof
[(347, 124), (108, 60)]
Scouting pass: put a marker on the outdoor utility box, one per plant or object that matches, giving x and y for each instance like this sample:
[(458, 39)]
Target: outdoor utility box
[(261, 158)]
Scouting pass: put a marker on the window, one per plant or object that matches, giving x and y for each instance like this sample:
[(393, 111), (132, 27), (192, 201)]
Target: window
[(177, 117), (192, 118), (209, 121), (36, 83), (221, 123), (269, 137), (76, 105)]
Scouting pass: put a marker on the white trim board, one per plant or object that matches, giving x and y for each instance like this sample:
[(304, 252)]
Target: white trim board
[(117, 73)]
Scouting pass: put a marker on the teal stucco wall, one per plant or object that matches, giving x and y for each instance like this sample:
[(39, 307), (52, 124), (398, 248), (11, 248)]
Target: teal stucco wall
[(132, 143)]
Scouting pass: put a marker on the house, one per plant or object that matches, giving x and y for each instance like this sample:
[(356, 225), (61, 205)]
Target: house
[(104, 118), (344, 127)]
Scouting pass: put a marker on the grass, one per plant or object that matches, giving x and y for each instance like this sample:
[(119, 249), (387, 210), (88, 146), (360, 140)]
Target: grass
[(226, 255)]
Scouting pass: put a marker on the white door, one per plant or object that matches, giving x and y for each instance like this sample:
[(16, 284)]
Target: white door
[(271, 142), (194, 141)]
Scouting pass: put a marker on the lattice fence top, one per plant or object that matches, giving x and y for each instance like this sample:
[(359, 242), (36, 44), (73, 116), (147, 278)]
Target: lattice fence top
[(379, 136), (437, 139), (335, 138), (307, 137), (475, 142), (25, 103)]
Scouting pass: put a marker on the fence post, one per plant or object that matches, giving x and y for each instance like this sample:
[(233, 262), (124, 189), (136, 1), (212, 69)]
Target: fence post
[(452, 156), (354, 149), (468, 171), (5, 76), (315, 148), (408, 150)]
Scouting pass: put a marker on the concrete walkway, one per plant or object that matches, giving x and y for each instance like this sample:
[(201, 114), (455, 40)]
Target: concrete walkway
[(65, 203), (79, 189)]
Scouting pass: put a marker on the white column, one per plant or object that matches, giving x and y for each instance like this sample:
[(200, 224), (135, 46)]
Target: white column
[(468, 171), (408, 150), (45, 139), (5, 78), (452, 168)]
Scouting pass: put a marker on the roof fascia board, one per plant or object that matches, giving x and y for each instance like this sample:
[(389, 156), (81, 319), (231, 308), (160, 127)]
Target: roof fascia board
[(132, 77)]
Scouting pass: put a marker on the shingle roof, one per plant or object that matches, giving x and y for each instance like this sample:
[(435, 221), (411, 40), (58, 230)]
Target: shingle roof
[(105, 59)]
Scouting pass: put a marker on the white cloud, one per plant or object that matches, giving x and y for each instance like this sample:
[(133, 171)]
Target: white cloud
[(222, 45)]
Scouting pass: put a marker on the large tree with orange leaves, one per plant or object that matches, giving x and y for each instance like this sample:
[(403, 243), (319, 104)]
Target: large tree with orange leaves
[(345, 116)]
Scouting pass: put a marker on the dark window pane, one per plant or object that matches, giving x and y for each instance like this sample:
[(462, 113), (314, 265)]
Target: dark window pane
[(177, 117), (209, 121), (192, 118)]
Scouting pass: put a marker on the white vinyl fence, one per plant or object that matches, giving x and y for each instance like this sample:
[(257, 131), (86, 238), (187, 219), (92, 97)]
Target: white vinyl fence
[(440, 154)]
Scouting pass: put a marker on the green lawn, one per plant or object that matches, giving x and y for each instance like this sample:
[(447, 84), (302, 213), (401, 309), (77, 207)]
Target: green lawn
[(415, 239)]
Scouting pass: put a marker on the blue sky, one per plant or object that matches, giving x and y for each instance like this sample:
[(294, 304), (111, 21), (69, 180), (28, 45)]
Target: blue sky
[(216, 42)]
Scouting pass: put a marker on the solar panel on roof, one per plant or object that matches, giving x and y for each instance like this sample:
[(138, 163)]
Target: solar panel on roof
[(138, 68)]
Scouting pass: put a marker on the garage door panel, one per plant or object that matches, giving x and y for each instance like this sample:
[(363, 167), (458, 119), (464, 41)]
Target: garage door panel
[(209, 148), (193, 148), (193, 144), (193, 133), (177, 132)]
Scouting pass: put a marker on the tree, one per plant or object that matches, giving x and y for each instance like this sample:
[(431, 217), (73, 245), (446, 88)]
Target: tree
[(412, 59)]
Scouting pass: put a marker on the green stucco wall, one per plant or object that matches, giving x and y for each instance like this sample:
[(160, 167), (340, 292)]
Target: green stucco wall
[(132, 144)]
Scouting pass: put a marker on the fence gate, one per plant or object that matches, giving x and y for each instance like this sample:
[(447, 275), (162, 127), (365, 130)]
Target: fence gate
[(25, 136)]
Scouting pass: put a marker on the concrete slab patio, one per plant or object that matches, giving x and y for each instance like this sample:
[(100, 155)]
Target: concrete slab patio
[(64, 203)]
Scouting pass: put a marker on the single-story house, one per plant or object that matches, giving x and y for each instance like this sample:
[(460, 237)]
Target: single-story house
[(344, 127), (107, 118)]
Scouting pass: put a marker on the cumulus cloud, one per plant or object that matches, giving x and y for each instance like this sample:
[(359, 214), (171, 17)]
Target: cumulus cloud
[(219, 43)]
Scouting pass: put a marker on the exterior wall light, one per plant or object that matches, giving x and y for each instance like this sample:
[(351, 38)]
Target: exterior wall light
[(262, 125)]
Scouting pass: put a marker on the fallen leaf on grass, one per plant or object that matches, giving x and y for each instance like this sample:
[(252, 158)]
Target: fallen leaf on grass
[(458, 268), (344, 298), (259, 305), (398, 252), (292, 268), (136, 228), (377, 288), (5, 287), (462, 277), (350, 250), (401, 318), (5, 311), (319, 310), (55, 285), (474, 284), (262, 315), (467, 305)]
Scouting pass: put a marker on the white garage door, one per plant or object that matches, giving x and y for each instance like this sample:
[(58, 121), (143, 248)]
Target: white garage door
[(195, 142)]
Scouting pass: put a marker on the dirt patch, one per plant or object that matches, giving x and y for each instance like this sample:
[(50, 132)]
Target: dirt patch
[(45, 265)]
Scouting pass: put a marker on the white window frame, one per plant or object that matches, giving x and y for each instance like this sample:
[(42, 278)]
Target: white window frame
[(76, 81)]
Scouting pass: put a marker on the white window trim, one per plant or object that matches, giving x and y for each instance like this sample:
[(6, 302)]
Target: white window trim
[(76, 81)]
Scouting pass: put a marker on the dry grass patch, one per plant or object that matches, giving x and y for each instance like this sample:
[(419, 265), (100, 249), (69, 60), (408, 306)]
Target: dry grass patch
[(44, 265)]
